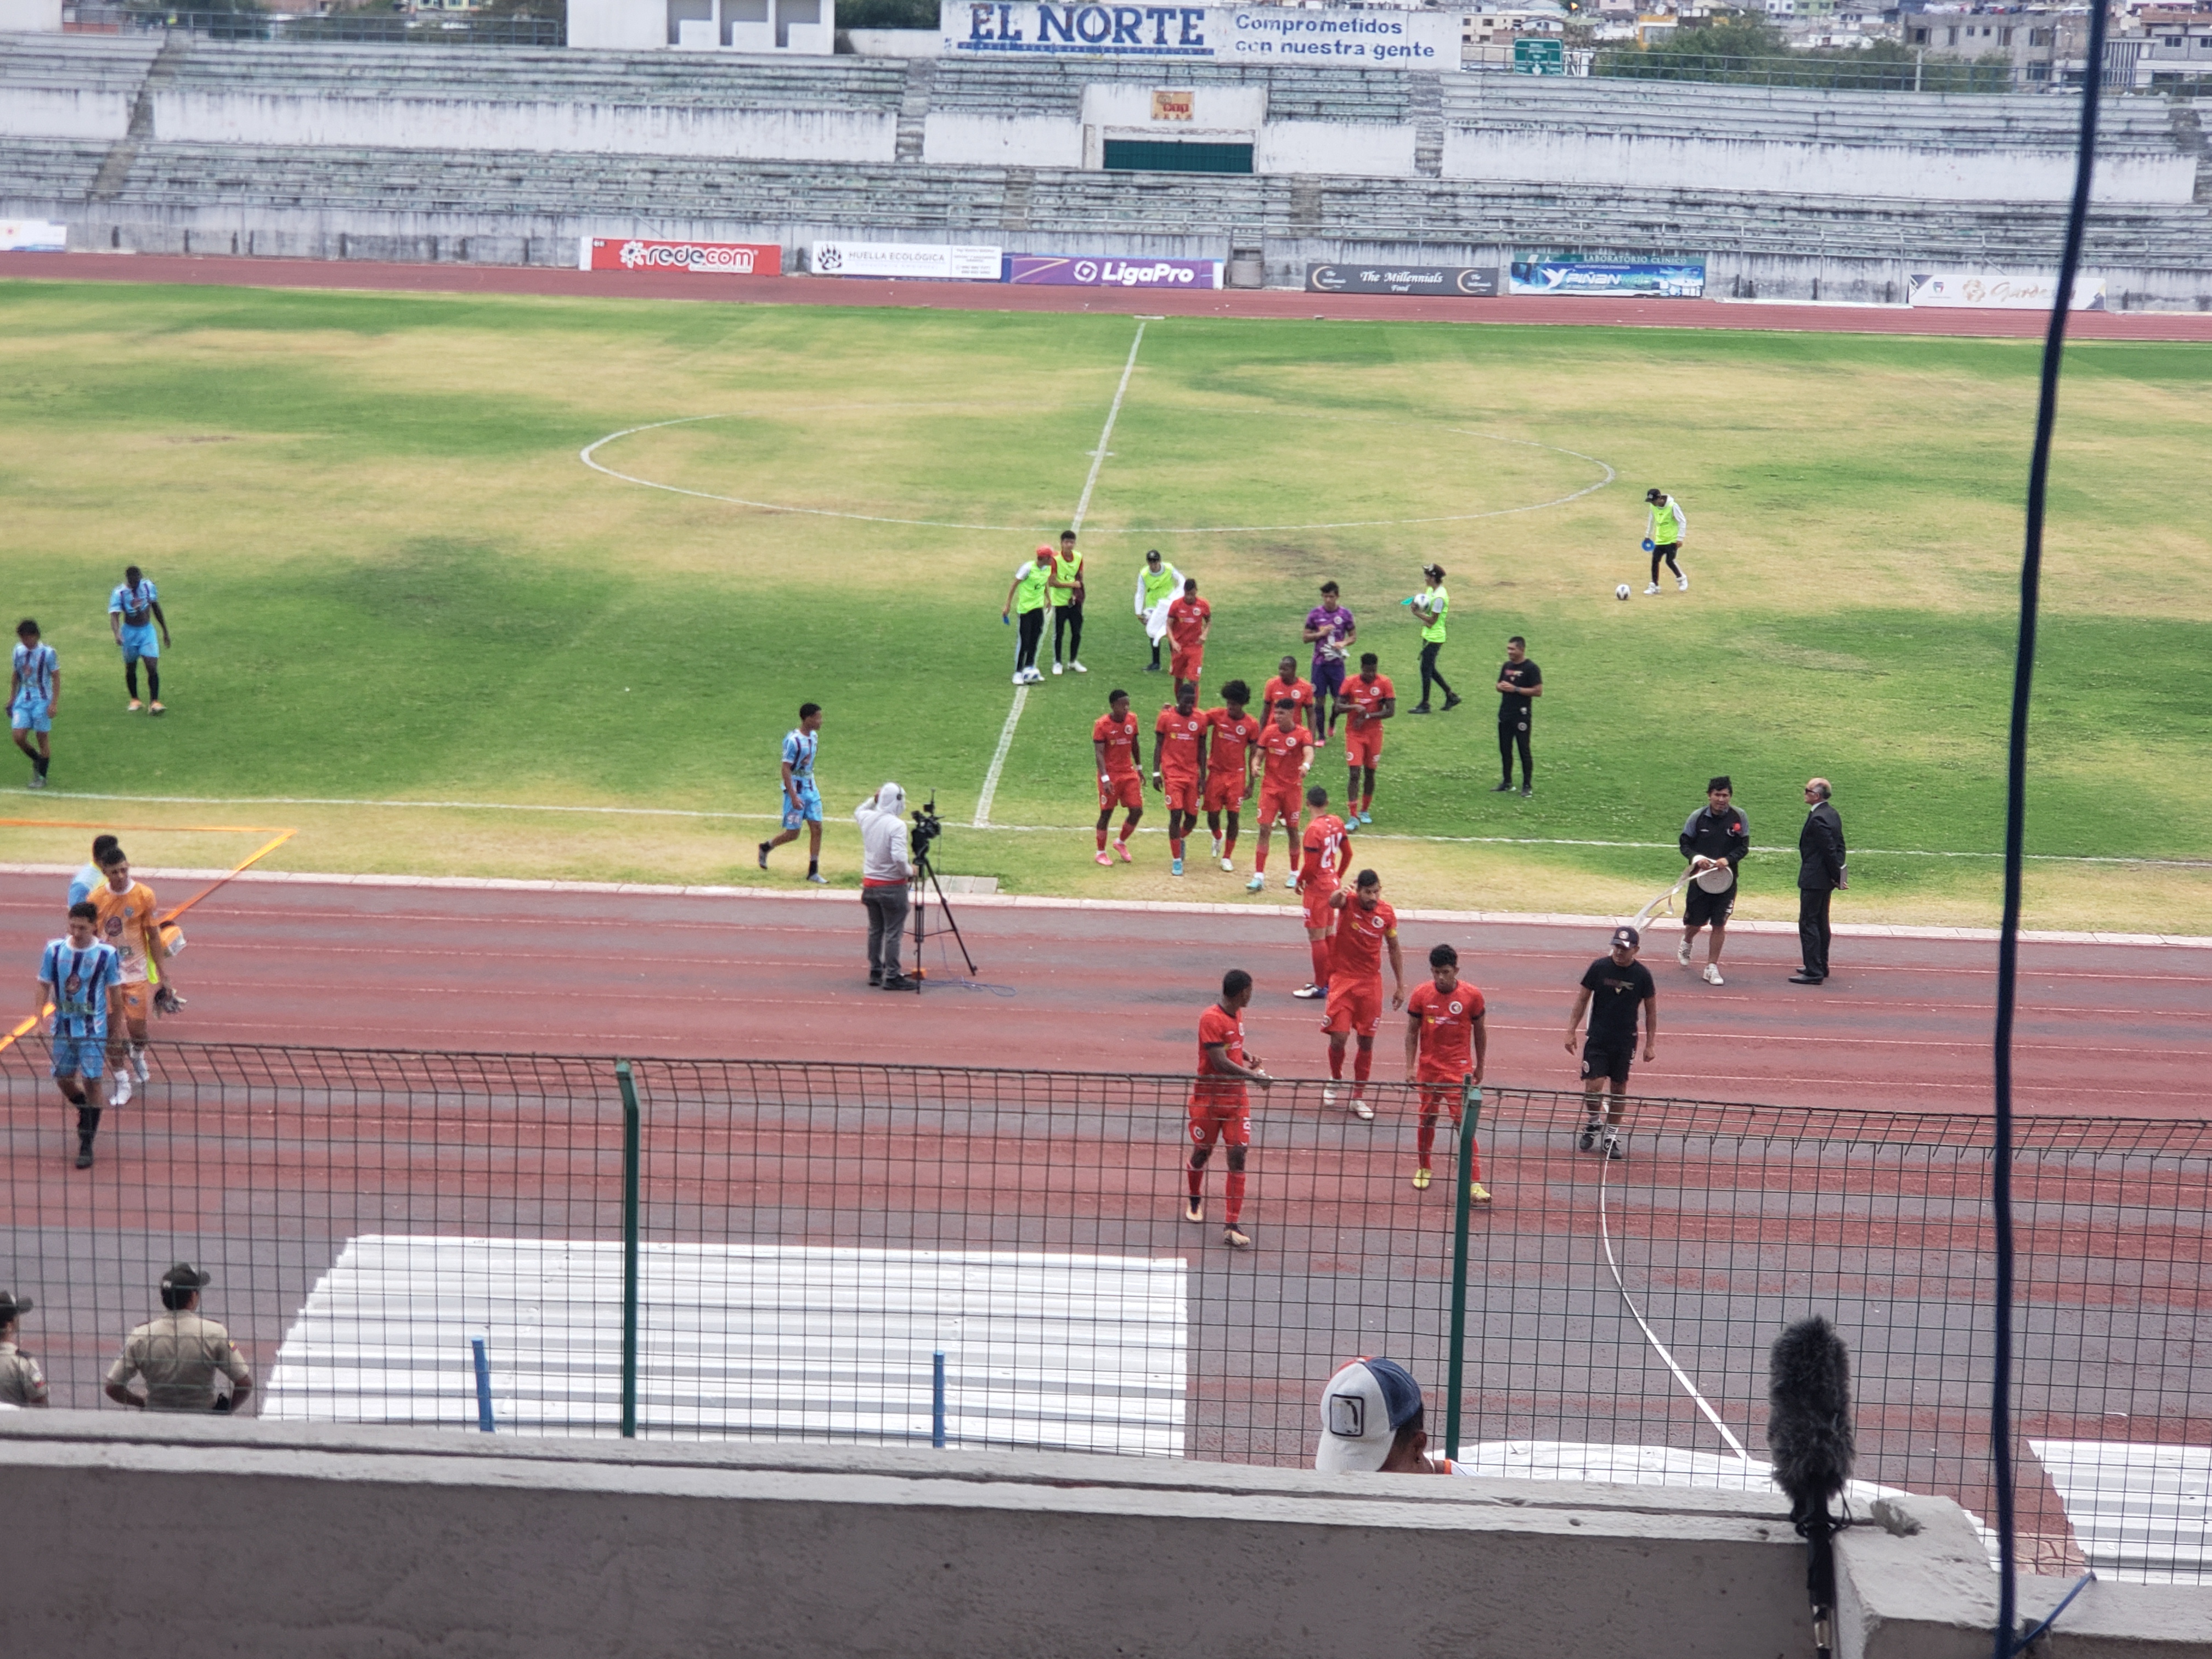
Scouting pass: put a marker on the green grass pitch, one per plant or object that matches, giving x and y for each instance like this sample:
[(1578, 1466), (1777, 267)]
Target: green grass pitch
[(391, 578)]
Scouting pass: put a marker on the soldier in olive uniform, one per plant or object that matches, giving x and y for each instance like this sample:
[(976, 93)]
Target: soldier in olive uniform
[(179, 1352), (21, 1382)]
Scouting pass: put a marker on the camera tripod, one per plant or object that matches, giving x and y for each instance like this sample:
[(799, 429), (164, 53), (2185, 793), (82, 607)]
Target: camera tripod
[(924, 871)]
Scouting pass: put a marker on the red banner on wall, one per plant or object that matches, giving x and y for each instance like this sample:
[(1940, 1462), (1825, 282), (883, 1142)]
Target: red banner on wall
[(707, 259)]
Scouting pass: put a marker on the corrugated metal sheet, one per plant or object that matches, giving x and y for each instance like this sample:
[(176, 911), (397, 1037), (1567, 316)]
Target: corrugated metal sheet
[(746, 1342), (2139, 1512)]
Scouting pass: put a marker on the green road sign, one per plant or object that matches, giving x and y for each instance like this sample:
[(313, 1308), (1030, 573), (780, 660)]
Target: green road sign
[(1540, 57)]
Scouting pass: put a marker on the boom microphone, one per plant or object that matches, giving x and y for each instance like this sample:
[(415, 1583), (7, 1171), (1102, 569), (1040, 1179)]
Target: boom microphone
[(1808, 1430)]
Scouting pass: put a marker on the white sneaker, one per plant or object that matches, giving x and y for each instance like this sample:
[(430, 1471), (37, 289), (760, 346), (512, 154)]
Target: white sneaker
[(1020, 678), (122, 1095), (1682, 952), (1078, 668), (1329, 1094), (1217, 847), (1360, 1108), (1229, 864), (1055, 669), (1682, 583), (1713, 974), (1654, 588), (138, 1066), (1257, 882)]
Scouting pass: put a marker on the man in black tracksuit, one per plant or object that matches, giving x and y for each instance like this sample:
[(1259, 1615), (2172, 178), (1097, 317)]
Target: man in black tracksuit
[(1520, 683), (1820, 872), (1717, 833)]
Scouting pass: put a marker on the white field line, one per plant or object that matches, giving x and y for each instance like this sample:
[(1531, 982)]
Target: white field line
[(1045, 829), (990, 789), (1266, 910)]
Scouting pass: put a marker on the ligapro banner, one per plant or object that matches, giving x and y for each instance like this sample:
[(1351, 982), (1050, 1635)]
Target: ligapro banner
[(1069, 270), (1997, 290), (1227, 35)]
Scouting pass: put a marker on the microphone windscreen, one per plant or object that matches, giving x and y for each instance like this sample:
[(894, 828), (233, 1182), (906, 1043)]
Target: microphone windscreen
[(1808, 1424)]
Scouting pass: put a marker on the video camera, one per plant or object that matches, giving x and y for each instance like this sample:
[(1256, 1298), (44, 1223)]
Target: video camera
[(928, 827)]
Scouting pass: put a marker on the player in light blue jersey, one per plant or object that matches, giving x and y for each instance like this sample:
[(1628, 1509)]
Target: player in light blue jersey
[(81, 977), (34, 695), (85, 881), (133, 611), (802, 801)]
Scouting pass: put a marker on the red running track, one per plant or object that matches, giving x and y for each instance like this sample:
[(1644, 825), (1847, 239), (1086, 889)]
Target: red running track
[(2111, 1030), (999, 296)]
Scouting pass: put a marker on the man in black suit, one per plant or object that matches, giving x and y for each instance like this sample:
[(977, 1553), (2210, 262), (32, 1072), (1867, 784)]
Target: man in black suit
[(1820, 872)]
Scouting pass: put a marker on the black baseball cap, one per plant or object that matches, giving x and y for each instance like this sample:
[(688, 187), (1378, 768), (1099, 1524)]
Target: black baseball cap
[(183, 1276), (1627, 938), (11, 1304)]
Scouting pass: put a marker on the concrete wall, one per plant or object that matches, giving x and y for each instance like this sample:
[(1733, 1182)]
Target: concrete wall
[(192, 1537), (1997, 174), (968, 138), (313, 120), (62, 113), (206, 1536), (30, 16), (1356, 149)]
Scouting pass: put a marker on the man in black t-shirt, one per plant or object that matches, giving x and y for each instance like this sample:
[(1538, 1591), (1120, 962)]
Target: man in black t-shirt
[(1520, 683), (1614, 989)]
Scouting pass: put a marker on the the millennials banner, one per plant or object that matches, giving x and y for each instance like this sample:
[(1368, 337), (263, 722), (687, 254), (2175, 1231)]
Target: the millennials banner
[(929, 261), (1477, 280), (1064, 270), (1229, 34), (707, 259), (1997, 290), (1668, 279)]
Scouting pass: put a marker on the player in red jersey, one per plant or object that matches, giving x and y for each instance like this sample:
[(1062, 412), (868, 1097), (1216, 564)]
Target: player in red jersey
[(1446, 1045), (1178, 762), (1114, 746), (1230, 735), (1220, 1104), (1286, 750), (1190, 619), (1365, 925), (1286, 683), (1366, 700), (1325, 855)]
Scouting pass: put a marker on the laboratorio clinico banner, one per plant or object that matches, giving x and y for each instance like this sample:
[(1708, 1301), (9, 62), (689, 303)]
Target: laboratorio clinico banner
[(1661, 279), (1229, 34)]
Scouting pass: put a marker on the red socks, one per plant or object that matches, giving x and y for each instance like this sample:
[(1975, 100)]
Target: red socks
[(1362, 1063), (1320, 948), (1425, 1141), (1197, 1178), (1102, 841), (1235, 1195), (1336, 1062)]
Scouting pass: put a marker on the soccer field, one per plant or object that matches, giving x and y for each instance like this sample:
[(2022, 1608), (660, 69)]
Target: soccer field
[(392, 579)]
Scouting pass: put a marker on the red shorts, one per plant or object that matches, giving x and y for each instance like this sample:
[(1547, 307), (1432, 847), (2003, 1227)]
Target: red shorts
[(1127, 789), (1219, 1119), (1280, 804), (1354, 1008), (1315, 899), (1225, 790), (1185, 665), (1363, 748), (1440, 1093), (1182, 792)]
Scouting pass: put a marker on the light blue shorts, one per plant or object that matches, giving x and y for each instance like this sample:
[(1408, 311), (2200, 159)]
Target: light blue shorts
[(809, 810), (29, 714), (141, 641), (86, 1056)]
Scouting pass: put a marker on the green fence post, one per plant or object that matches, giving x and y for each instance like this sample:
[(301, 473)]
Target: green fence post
[(630, 1250), (1462, 1200)]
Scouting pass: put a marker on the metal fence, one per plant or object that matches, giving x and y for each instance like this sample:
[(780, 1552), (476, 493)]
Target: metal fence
[(333, 28), (780, 1250)]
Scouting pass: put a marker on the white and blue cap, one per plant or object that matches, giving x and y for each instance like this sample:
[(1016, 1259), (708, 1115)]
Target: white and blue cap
[(1362, 1409)]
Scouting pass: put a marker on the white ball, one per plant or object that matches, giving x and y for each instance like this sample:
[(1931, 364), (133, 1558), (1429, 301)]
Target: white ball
[(1621, 592)]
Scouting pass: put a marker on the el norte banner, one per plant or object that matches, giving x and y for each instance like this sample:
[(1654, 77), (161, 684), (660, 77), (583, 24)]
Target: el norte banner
[(1227, 34)]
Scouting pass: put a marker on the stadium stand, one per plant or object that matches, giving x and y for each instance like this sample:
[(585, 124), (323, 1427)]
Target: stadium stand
[(508, 156)]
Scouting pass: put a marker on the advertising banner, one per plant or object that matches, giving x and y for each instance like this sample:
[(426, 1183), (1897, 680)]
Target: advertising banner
[(1480, 280), (1999, 290), (707, 258), (33, 236), (1658, 279), (1227, 34), (1067, 271), (927, 262)]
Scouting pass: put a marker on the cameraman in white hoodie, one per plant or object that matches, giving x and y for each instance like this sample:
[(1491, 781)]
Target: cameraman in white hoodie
[(884, 875)]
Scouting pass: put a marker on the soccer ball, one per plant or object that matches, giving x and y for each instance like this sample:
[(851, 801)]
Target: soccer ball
[(1621, 592)]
